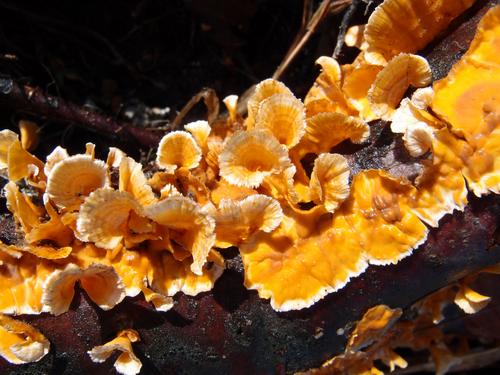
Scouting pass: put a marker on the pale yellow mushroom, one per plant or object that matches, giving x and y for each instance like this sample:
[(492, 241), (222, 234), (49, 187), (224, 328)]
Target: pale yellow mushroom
[(132, 179), (7, 137), (394, 79), (250, 156), (329, 184), (107, 217), (283, 115), (262, 91), (74, 178), (236, 221), (20, 342), (178, 149), (188, 226), (127, 363), (200, 130), (101, 282), (57, 155)]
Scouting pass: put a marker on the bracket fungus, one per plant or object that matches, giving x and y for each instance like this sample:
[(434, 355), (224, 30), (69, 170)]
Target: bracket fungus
[(269, 184)]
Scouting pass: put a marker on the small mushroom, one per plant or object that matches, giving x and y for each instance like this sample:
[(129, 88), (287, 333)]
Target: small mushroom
[(283, 115), (398, 26), (101, 283), (20, 342), (127, 363), (250, 156), (262, 91), (329, 183), (188, 226), (325, 95), (200, 131), (326, 130), (73, 179), (238, 220), (394, 79), (131, 179), (7, 138), (108, 216), (178, 149)]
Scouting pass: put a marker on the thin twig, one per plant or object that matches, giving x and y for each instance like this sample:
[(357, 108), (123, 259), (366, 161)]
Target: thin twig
[(211, 101), (33, 100), (326, 7)]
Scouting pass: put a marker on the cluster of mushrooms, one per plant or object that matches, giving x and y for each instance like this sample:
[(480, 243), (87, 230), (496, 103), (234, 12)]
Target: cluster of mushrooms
[(239, 182)]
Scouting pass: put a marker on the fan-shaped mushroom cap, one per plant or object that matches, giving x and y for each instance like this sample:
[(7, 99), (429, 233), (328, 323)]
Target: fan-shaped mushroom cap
[(249, 156), (57, 155), (54, 230), (418, 139), (380, 211), (115, 157), (134, 267), (178, 149), (326, 130), (224, 190), (73, 179), (127, 363), (329, 183), (469, 300), (20, 342), (417, 125), (106, 216), (7, 138), (302, 261), (21, 164), (325, 94), (408, 25), (394, 79), (262, 91), (101, 283), (283, 115), (159, 301), (238, 220), (200, 131), (412, 112), (191, 228), (132, 180)]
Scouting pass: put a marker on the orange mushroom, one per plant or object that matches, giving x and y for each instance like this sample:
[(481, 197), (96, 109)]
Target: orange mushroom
[(250, 156), (102, 284), (398, 26), (20, 342), (394, 79), (127, 363)]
